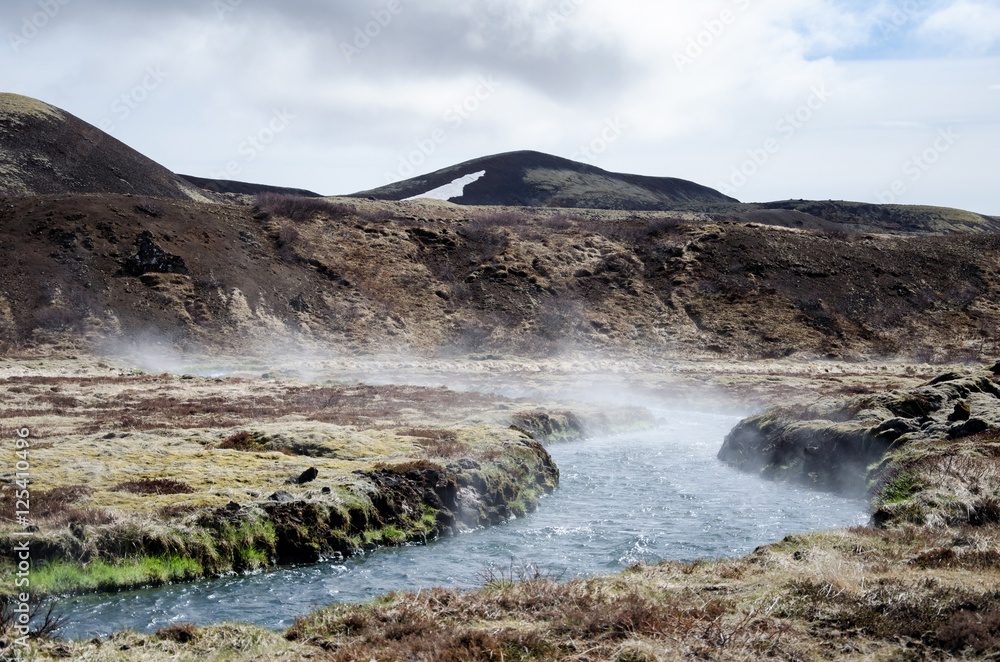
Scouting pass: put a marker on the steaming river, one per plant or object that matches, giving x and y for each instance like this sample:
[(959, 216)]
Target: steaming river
[(642, 497)]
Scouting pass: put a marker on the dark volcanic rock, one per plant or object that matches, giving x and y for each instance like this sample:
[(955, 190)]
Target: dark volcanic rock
[(150, 258), (962, 412), (245, 188), (307, 476), (420, 499)]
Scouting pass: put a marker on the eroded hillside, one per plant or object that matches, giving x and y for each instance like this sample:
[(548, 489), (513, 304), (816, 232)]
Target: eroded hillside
[(430, 277)]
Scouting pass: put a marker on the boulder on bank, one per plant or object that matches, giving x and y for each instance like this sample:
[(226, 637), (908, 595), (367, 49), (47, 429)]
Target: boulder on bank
[(838, 444)]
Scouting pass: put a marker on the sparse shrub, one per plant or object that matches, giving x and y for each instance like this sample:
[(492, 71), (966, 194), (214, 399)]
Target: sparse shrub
[(300, 208), (561, 222), (485, 239), (169, 512), (43, 618), (438, 443), (967, 629), (157, 486), (377, 215), (241, 441), (55, 507), (55, 318), (182, 633), (287, 236), (408, 466)]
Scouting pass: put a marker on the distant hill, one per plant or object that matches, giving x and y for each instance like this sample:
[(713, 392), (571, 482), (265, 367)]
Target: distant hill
[(865, 217), (844, 217), (45, 150), (245, 188), (534, 179)]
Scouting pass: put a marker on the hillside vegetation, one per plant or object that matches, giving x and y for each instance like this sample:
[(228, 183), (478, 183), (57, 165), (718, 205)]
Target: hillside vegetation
[(429, 277)]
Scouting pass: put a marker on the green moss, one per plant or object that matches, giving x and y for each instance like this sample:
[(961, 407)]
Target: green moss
[(253, 559), (389, 535), (427, 524), (898, 489), (250, 534), (62, 577)]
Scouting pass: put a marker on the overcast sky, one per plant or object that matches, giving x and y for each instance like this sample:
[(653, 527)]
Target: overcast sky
[(765, 99)]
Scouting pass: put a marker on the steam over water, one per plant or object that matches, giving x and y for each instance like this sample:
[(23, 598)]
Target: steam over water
[(642, 497)]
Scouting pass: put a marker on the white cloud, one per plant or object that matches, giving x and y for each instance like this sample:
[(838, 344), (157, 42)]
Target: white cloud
[(968, 26), (561, 81)]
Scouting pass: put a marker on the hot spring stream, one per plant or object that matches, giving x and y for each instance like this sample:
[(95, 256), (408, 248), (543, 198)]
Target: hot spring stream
[(641, 497)]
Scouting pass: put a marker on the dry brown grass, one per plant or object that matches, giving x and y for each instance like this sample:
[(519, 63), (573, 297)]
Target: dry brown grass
[(55, 507), (439, 443), (182, 633), (155, 486), (155, 403), (533, 619)]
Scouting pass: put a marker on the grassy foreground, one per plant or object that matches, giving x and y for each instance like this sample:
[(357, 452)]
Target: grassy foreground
[(863, 594), (920, 587)]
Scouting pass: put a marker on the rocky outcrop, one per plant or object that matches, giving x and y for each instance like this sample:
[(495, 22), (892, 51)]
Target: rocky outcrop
[(838, 445), (150, 258)]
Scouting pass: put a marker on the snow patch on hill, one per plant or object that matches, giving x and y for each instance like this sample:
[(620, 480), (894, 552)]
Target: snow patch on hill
[(455, 189)]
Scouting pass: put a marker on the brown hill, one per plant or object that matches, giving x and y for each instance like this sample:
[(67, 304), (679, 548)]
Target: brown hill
[(44, 150), (428, 277)]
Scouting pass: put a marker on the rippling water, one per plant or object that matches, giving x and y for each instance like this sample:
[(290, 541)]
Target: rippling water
[(643, 497)]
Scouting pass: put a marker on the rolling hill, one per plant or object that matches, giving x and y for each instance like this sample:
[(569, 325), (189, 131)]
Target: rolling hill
[(45, 150), (534, 179)]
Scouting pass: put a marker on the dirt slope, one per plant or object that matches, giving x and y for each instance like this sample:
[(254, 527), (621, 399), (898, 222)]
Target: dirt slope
[(431, 278)]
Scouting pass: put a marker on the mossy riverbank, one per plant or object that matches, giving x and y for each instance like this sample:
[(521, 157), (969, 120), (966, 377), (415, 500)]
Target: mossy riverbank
[(140, 480)]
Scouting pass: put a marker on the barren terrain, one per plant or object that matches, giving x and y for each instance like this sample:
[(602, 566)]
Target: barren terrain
[(217, 382)]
